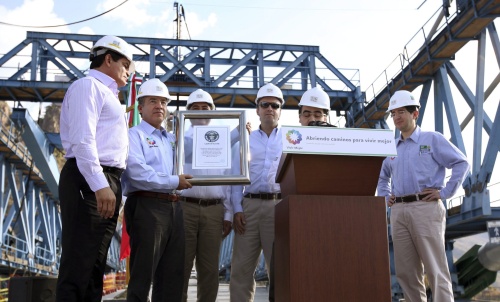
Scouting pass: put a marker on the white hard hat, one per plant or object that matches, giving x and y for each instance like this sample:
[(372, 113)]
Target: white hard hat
[(154, 87), (115, 44), (200, 96), (270, 90), (315, 97), (402, 98)]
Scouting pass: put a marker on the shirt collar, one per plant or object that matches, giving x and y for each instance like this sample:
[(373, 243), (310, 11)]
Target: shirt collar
[(104, 79), (414, 136), (146, 127), (275, 129)]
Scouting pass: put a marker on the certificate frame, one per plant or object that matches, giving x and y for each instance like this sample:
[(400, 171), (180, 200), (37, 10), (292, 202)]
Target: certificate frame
[(213, 180)]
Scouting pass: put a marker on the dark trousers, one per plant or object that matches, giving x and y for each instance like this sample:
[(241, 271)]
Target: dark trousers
[(157, 247), (85, 237)]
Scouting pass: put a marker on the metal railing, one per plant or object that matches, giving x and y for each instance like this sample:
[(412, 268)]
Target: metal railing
[(417, 43)]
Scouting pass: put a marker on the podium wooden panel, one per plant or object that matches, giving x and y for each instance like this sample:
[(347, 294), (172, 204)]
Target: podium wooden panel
[(305, 174), (331, 248), (330, 231)]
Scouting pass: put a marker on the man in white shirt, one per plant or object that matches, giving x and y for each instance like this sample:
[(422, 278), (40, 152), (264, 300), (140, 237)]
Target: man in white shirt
[(207, 213), (253, 220), (94, 135), (314, 107), (153, 216)]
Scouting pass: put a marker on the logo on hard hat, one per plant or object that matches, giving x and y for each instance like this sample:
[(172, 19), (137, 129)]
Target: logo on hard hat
[(314, 99), (199, 96), (115, 44), (159, 88), (270, 90), (294, 137)]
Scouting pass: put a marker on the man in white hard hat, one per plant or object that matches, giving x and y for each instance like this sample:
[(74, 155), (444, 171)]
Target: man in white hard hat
[(207, 213), (414, 186), (94, 135), (314, 107), (253, 220), (153, 215)]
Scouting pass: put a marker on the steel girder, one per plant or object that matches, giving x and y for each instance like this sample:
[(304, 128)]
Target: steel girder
[(434, 45), (40, 148), (231, 71), (31, 225)]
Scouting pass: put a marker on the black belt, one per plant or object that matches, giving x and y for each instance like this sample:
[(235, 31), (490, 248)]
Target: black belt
[(165, 196), (410, 198), (106, 169), (268, 196), (200, 201)]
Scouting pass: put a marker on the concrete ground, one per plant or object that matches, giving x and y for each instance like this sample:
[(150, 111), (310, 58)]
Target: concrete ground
[(261, 294)]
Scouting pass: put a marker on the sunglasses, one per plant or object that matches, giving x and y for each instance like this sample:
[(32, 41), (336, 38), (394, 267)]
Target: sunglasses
[(267, 104)]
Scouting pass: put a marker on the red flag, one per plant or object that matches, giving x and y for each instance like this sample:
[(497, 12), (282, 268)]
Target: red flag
[(133, 120), (125, 244)]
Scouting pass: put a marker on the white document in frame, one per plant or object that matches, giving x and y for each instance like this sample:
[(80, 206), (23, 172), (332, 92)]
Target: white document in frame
[(211, 147)]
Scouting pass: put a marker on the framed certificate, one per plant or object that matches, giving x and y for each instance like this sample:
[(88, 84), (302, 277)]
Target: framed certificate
[(212, 145)]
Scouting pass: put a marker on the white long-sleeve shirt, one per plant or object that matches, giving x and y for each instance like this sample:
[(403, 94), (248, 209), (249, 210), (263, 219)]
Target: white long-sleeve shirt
[(207, 192), (94, 127)]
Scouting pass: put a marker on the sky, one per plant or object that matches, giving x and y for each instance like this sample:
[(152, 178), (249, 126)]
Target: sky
[(350, 34), (358, 34)]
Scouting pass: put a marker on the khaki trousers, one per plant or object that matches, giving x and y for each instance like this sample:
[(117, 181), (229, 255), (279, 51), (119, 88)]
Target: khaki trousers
[(259, 236), (203, 229), (418, 239)]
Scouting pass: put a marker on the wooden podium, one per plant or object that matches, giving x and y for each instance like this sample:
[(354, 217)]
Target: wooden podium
[(330, 231)]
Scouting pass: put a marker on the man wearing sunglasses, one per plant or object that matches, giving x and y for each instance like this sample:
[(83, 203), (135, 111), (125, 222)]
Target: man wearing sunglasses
[(314, 107), (253, 220)]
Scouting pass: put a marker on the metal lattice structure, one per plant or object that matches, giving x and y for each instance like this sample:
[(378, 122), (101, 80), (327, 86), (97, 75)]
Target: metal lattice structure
[(232, 73)]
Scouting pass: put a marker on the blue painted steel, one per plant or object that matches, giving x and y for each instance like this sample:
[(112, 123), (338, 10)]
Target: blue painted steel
[(31, 227), (40, 149), (231, 71)]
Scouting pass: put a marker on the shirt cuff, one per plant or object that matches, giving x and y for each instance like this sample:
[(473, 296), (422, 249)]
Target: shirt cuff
[(228, 216), (97, 182)]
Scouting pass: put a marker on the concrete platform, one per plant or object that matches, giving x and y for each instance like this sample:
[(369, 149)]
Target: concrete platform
[(261, 293)]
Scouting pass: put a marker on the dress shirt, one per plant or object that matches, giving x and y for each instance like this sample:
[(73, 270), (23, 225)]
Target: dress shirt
[(206, 192), (94, 127), (265, 153), (421, 164), (150, 163)]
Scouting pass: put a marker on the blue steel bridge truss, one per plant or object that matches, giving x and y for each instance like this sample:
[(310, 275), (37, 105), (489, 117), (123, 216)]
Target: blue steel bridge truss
[(41, 68)]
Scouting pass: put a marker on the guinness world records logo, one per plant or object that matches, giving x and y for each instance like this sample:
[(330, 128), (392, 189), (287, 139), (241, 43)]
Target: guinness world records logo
[(211, 136)]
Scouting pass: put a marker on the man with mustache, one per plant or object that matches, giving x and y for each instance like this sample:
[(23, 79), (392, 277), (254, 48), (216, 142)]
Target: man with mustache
[(154, 218), (314, 107)]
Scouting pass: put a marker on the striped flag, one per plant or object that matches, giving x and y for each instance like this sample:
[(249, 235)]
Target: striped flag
[(133, 119)]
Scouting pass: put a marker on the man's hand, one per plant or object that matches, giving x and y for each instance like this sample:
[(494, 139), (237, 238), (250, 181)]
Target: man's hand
[(431, 194), (183, 183), (391, 200), (249, 127), (239, 222), (226, 228), (106, 201)]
